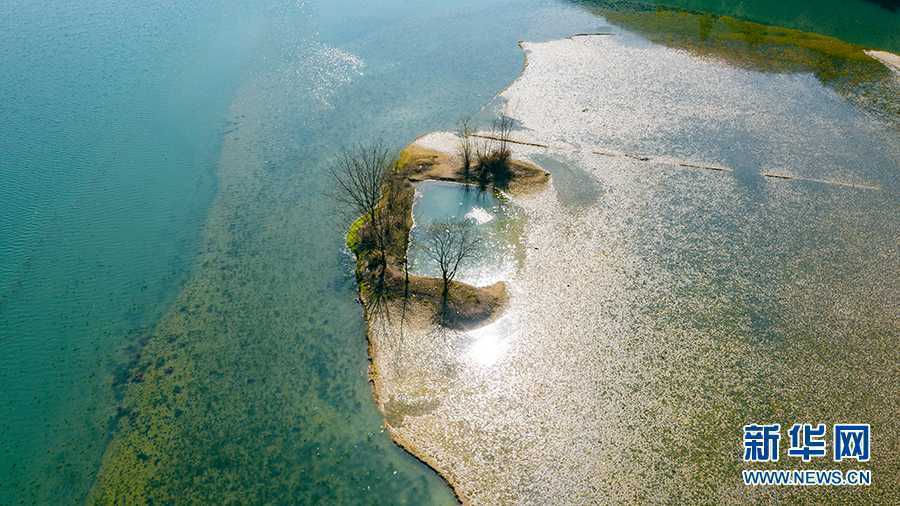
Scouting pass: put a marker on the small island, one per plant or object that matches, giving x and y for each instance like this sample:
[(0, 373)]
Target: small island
[(381, 190), (379, 238)]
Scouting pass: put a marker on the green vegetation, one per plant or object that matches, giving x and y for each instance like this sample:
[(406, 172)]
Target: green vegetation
[(744, 43), (839, 65), (862, 22), (353, 233)]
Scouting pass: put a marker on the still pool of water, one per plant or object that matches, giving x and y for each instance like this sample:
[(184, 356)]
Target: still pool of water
[(496, 221)]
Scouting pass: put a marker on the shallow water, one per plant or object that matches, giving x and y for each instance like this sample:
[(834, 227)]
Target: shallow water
[(870, 23), (109, 134), (157, 343)]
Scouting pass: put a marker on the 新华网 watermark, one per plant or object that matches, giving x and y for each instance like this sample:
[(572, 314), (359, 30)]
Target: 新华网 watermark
[(849, 442)]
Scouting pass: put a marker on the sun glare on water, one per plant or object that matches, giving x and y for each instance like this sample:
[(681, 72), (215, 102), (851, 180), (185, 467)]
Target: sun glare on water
[(480, 215), (491, 343)]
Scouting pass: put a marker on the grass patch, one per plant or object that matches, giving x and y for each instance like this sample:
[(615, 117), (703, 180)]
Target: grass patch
[(753, 46), (353, 238)]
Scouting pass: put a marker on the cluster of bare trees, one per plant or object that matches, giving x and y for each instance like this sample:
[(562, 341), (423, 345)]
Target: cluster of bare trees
[(489, 154), (368, 186)]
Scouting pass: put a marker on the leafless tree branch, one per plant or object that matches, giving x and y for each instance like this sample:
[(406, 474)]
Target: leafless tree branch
[(360, 175), (450, 245), (466, 150)]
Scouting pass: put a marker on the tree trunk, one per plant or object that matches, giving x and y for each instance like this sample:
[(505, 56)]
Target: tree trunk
[(405, 278)]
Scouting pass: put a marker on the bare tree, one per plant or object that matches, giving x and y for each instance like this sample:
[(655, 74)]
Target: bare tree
[(360, 174), (393, 216), (450, 245), (502, 130), (466, 150)]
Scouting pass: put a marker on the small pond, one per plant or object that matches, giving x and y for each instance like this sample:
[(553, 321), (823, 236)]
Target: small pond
[(498, 223)]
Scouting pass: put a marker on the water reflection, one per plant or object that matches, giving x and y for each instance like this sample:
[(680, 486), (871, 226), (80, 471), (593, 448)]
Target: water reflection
[(497, 222)]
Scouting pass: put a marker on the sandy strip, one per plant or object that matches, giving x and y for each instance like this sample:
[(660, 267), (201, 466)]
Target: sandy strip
[(891, 60)]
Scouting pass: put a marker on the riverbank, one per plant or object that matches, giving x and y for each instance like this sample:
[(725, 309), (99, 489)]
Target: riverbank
[(890, 60)]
